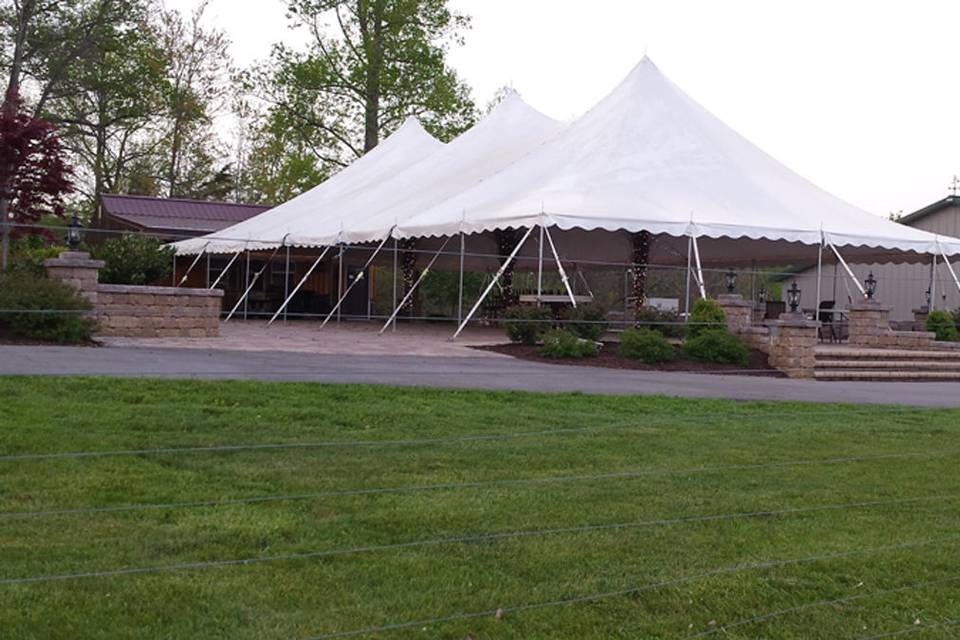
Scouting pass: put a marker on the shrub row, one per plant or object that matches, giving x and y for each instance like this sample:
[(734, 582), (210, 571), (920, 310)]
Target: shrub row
[(41, 309)]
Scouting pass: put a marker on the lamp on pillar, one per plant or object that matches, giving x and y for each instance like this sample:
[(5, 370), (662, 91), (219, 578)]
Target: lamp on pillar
[(74, 233), (793, 297), (870, 286), (763, 295), (731, 280)]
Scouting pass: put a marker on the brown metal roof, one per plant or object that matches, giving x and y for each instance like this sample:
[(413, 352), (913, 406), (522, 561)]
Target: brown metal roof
[(177, 214)]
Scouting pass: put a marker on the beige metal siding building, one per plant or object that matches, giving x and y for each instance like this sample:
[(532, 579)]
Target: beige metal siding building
[(903, 286)]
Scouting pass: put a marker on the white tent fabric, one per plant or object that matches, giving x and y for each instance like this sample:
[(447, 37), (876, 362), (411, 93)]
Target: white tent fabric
[(408, 144), (391, 194), (650, 158)]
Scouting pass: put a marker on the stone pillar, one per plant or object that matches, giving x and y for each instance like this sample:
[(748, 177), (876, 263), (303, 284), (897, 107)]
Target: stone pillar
[(869, 321), (793, 340), (920, 318), (739, 312), (77, 270)]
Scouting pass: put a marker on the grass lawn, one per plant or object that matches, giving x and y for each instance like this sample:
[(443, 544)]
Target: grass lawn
[(577, 516)]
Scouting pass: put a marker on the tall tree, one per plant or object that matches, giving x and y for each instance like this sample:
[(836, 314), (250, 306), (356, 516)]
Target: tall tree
[(370, 65)]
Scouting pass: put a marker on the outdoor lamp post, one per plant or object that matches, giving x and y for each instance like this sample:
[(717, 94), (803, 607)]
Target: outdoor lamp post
[(870, 285), (793, 297), (763, 295), (74, 231), (731, 278)]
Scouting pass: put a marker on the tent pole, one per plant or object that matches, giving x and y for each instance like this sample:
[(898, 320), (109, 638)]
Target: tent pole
[(225, 269), (173, 274), (256, 277), (540, 268), (460, 287), (490, 286), (249, 287), (933, 283), (359, 277), (846, 268), (396, 250), (563, 273), (339, 289), (953, 273), (423, 275), (296, 289), (586, 284), (819, 277), (192, 265), (689, 270), (696, 256), (208, 271), (286, 282)]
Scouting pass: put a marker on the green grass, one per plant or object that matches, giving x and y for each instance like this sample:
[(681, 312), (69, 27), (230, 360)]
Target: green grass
[(660, 462)]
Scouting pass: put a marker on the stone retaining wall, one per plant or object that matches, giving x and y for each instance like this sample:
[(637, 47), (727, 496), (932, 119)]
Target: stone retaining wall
[(139, 312), (161, 312), (870, 327)]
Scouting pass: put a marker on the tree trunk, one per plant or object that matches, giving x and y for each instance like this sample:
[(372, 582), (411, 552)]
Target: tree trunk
[(373, 45), (641, 258)]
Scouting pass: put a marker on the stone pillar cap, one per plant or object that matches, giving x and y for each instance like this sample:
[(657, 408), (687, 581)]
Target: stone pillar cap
[(733, 300), (869, 305), (75, 259), (795, 319)]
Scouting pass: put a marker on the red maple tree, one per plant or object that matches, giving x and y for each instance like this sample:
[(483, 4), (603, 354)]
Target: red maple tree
[(34, 174)]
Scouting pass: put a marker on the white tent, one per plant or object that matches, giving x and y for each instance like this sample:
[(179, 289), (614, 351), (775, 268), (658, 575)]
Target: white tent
[(367, 199), (650, 158), (408, 144)]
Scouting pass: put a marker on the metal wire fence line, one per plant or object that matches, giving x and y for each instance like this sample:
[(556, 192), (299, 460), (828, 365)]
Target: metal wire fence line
[(632, 590), (458, 486), (915, 628), (467, 539)]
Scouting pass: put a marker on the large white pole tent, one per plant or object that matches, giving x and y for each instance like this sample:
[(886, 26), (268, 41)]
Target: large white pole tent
[(646, 158)]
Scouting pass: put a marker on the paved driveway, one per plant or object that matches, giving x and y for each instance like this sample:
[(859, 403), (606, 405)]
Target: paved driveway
[(489, 372)]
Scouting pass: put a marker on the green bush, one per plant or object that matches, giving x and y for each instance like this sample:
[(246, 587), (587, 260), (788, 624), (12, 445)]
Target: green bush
[(717, 345), (588, 321), (646, 345), (28, 253), (134, 259), (666, 322), (560, 343), (51, 311), (526, 324), (707, 315), (943, 324)]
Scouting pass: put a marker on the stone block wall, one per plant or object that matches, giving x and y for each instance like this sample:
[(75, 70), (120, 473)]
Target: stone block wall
[(740, 315), (142, 312), (158, 312), (793, 342), (870, 327)]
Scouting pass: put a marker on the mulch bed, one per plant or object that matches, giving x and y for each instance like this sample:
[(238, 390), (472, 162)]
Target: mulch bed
[(8, 337), (609, 359)]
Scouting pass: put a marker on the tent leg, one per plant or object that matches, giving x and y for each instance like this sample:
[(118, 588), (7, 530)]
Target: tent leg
[(689, 271), (696, 256), (396, 251), (225, 269), (343, 296), (846, 268), (423, 275), (339, 289), (286, 282), (819, 278), (490, 286), (173, 274), (586, 284), (460, 286), (303, 280), (540, 269), (208, 271), (563, 273), (246, 294), (933, 283), (192, 265)]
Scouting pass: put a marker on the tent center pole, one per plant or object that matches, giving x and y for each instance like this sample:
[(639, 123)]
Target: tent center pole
[(493, 282)]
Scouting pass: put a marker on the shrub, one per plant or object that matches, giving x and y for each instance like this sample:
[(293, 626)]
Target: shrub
[(28, 253), (666, 322), (646, 345), (717, 345), (63, 321), (527, 324), (707, 315), (588, 321), (942, 324), (134, 259), (560, 343)]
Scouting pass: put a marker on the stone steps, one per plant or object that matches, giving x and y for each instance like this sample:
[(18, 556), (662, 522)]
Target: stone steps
[(902, 365), (888, 376)]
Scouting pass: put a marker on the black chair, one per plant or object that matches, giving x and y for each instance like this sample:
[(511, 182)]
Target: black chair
[(827, 319)]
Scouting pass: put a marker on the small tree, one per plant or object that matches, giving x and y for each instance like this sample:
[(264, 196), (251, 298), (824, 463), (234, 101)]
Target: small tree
[(134, 260)]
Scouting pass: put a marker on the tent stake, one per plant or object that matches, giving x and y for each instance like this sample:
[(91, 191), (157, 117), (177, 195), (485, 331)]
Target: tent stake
[(359, 277), (846, 268), (490, 286), (423, 275), (303, 280), (192, 265), (225, 269), (256, 277), (563, 273)]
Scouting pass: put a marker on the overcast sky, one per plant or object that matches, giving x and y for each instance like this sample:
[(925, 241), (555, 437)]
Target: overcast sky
[(861, 97)]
